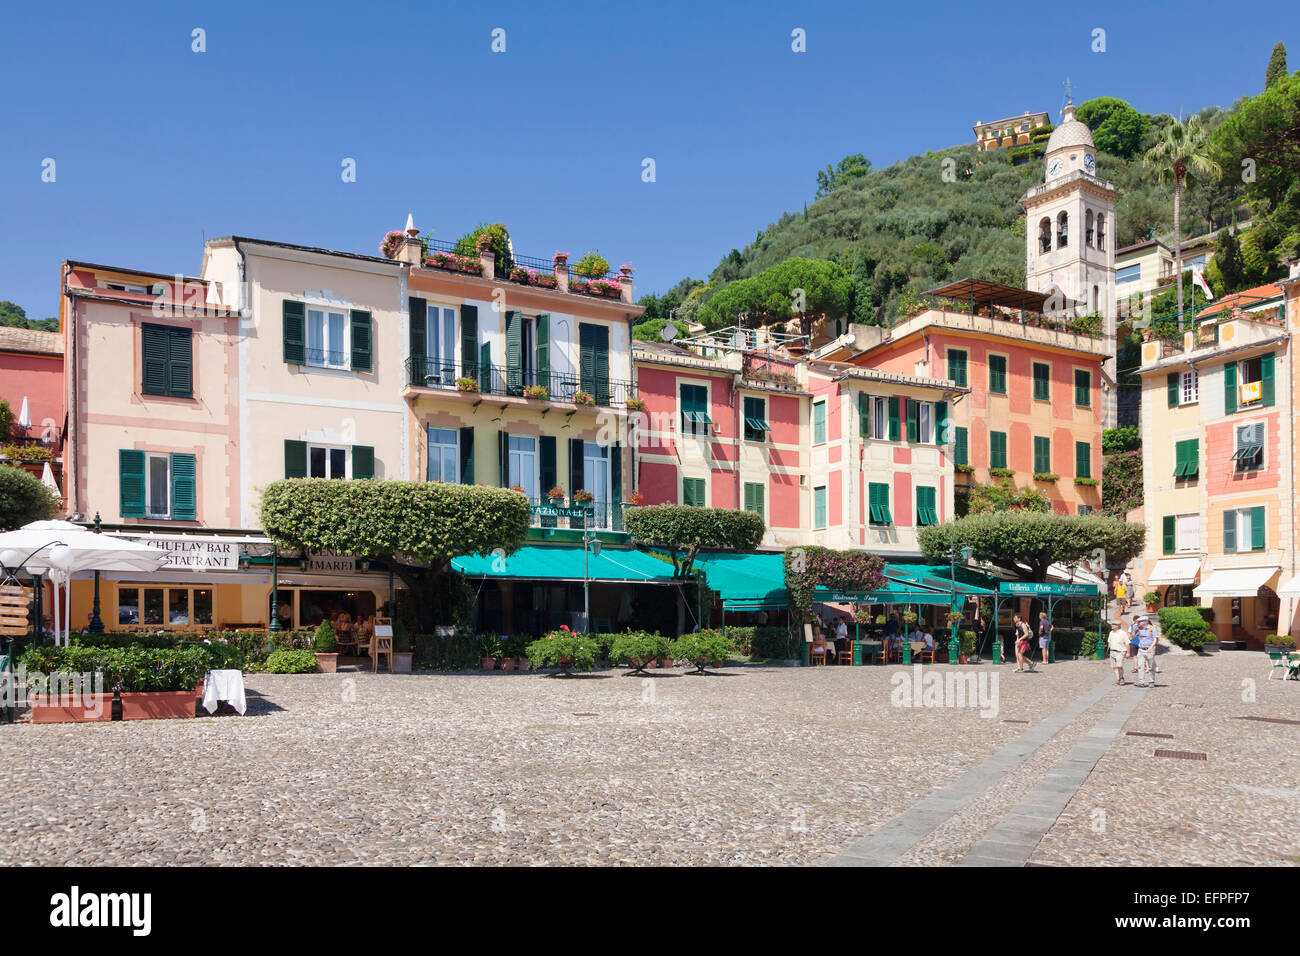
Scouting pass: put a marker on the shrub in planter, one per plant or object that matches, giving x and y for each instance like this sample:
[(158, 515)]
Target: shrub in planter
[(457, 652), (1184, 626), (1280, 640), (301, 640), (592, 265), (489, 649), (466, 384), (967, 642), (1151, 599), (564, 649), (701, 648), (637, 648), (291, 662), (326, 648), (538, 392), (1046, 476), (635, 404), (155, 682), (583, 398)]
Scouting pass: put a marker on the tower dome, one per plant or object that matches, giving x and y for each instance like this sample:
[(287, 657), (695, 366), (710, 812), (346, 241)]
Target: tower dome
[(1070, 133)]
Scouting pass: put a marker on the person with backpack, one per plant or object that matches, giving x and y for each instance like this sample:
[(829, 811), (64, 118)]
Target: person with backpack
[(1044, 634), (1022, 634)]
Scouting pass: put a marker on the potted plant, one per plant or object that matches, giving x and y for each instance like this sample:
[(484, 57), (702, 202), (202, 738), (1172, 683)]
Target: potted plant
[(61, 694), (560, 258), (325, 646), (701, 649), (952, 617), (583, 497), (967, 639), (637, 649), (635, 500), (1152, 601), (466, 384), (909, 618), (556, 494), (565, 650), (489, 650), (635, 404), (880, 620), (1279, 644), (536, 391), (403, 657), (583, 398)]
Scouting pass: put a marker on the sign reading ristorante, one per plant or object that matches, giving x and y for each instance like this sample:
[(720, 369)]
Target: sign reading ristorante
[(196, 553)]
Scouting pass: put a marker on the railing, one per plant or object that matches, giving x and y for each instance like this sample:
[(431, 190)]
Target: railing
[(545, 266), (601, 515), (423, 372), (327, 358)]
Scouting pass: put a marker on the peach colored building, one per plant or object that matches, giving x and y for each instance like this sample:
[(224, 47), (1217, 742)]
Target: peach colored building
[(31, 371)]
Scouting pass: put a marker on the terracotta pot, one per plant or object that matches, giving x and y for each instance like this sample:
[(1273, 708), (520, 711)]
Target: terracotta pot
[(961, 658), (508, 663), (1152, 608), (525, 664), (157, 705), (401, 662), (72, 709), (328, 663), (487, 663)]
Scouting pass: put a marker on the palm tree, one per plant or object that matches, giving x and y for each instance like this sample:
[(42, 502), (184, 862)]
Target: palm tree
[(1181, 154)]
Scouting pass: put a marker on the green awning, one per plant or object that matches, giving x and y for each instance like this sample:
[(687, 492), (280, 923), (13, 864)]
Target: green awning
[(561, 563), (940, 576), (745, 582)]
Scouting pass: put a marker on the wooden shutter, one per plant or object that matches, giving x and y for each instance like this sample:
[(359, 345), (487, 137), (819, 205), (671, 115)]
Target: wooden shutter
[(997, 449), (543, 361), (1171, 383), (819, 507), (957, 366), (1169, 534), (503, 453), (941, 423), (184, 487), (548, 476), (819, 422), (1229, 531), (362, 361), (294, 332), (864, 415), (1193, 457), (1230, 387), (153, 348), (363, 461), (485, 368), (575, 465), (893, 418), (467, 455), (469, 343), (913, 419), (130, 477), (961, 447), (180, 363), (1257, 537), (295, 459), (1082, 459), (602, 364), (514, 354), (693, 492), (1266, 388), (1042, 381), (1082, 387), (616, 486)]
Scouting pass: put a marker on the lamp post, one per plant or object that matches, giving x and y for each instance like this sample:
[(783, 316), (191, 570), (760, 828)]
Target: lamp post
[(275, 589), (590, 546), (96, 625), (954, 642)]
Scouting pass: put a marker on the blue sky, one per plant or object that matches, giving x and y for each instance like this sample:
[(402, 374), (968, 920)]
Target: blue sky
[(156, 145)]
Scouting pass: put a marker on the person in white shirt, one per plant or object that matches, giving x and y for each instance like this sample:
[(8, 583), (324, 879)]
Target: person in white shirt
[(928, 640), (1117, 643)]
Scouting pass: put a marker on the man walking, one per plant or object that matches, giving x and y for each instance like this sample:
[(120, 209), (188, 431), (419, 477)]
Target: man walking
[(1147, 654), (1044, 634), (1117, 643)]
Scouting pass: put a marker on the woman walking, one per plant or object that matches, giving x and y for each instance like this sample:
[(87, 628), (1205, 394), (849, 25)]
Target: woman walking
[(1022, 634)]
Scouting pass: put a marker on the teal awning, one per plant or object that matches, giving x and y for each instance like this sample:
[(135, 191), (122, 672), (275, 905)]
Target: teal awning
[(940, 576), (745, 582), (560, 563)]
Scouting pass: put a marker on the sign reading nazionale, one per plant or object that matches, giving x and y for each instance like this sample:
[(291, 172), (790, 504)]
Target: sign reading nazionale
[(196, 553)]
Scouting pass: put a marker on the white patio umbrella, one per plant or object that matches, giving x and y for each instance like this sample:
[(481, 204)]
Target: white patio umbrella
[(24, 415), (47, 478), (60, 549)]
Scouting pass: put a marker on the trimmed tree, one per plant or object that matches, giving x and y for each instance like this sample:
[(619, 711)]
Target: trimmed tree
[(23, 498), (1026, 544), (415, 527), (684, 530), (807, 568)]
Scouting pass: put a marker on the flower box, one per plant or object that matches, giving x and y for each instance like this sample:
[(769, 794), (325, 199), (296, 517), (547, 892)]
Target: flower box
[(158, 705), (72, 708), (328, 663)]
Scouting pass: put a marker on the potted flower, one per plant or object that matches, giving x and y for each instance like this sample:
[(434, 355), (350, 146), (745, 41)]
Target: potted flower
[(556, 494), (583, 398), (325, 645), (388, 248), (484, 242), (952, 617), (518, 488), (466, 384), (635, 404), (583, 497), (536, 391), (638, 649), (635, 500), (563, 649), (1152, 601), (489, 650), (626, 269), (909, 618), (560, 258)]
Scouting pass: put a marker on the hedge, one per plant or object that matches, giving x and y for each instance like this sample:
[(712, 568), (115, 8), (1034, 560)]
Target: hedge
[(222, 653), (1184, 626), (291, 662), (684, 530), (775, 643), (130, 669)]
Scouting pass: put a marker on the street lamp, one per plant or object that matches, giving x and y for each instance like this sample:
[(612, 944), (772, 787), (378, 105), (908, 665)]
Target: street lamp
[(96, 625), (954, 643), (590, 546)]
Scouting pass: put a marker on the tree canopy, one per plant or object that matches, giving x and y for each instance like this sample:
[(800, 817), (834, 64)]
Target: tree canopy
[(1027, 544), (1117, 128), (684, 530), (773, 294), (842, 173), (1276, 66), (23, 498)]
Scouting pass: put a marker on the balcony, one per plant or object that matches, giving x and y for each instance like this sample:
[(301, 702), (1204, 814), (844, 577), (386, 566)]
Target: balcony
[(582, 388), (601, 516)]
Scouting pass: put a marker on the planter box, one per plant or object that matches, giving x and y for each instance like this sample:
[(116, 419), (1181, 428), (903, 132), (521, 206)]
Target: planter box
[(157, 705), (68, 709), (401, 662), (487, 663), (525, 664), (1275, 649), (328, 663), (508, 663)]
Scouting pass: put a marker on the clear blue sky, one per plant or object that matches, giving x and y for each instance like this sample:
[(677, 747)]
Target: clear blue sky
[(156, 145)]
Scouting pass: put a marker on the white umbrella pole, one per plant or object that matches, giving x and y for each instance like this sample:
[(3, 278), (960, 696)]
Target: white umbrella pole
[(67, 612)]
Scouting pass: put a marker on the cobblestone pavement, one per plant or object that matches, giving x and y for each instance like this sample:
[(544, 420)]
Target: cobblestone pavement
[(757, 765)]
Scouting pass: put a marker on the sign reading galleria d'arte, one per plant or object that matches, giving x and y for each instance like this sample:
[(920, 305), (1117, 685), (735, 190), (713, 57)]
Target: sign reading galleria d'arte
[(196, 553), (1029, 587)]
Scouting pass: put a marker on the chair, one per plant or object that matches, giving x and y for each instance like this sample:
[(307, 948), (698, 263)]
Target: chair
[(873, 649), (818, 651), (845, 656), (1278, 662), (919, 652), (380, 646)]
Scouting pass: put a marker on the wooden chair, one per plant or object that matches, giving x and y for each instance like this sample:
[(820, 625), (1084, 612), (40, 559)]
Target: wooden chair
[(873, 650), (845, 656), (818, 651), (920, 651)]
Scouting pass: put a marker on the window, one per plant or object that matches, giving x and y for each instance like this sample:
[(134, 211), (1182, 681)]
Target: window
[(756, 427), (957, 367), (158, 485), (1188, 533), (1243, 530), (521, 452), (1249, 455), (327, 338), (878, 504), (819, 423), (326, 462), (924, 424), (444, 455), (1042, 382), (997, 449), (998, 374), (593, 361), (1087, 224), (1101, 231), (925, 509), (879, 417), (1128, 273), (1188, 384), (158, 501), (1045, 235), (440, 344), (754, 497), (695, 403), (1084, 510), (1248, 383), (164, 607), (1082, 388), (167, 361), (819, 507), (1187, 458), (595, 479), (693, 492), (1042, 455), (960, 447), (1062, 230), (1082, 459)]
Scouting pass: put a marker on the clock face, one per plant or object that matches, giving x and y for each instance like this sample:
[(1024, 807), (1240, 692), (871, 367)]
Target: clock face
[(1089, 162), (1055, 166)]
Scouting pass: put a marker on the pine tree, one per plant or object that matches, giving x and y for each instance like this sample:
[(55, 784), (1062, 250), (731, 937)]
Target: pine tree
[(1276, 66), (1227, 256)]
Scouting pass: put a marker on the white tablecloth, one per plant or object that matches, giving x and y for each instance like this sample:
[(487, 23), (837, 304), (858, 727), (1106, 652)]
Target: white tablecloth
[(224, 685)]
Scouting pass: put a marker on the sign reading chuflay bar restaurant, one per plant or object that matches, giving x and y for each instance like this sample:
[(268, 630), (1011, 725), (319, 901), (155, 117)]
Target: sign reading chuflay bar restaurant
[(195, 553)]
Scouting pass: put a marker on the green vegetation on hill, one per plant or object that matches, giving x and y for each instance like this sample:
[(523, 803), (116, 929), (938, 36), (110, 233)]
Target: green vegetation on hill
[(12, 314)]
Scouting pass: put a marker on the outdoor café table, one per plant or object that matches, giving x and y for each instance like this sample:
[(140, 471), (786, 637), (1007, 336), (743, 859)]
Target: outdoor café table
[(227, 685)]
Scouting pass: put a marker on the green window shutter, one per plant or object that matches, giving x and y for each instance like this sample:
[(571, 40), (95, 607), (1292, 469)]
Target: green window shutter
[(616, 485), (997, 449), (925, 510), (1229, 388), (749, 497), (419, 310), (1082, 459), (1180, 458), (1042, 382), (503, 458), (544, 351), (1257, 528), (153, 347), (957, 366), (575, 465), (485, 368), (1171, 382), (893, 418), (1193, 457), (1168, 536), (184, 487), (819, 423), (864, 415), (363, 461), (362, 361), (693, 492), (548, 469), (1042, 454), (1229, 531), (961, 450), (130, 477), (941, 423), (602, 365), (469, 343), (295, 459), (1082, 387), (467, 454), (913, 420), (180, 363), (998, 374), (294, 332), (514, 354), (1266, 388), (819, 507)]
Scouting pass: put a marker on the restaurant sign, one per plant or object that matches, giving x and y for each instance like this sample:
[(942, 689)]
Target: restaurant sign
[(558, 511), (195, 553), (330, 563), (1056, 590)]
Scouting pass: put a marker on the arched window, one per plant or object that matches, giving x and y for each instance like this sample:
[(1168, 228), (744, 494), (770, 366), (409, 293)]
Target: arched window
[(1087, 222), (1045, 235), (1062, 230), (1101, 232)]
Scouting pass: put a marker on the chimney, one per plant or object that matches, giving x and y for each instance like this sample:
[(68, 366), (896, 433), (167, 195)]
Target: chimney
[(410, 249)]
